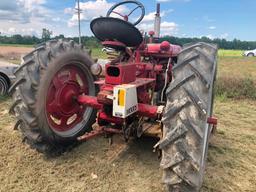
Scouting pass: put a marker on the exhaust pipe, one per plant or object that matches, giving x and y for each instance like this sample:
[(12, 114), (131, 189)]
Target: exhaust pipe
[(157, 21)]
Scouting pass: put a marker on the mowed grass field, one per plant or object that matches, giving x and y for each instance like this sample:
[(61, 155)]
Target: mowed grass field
[(230, 53), (96, 167)]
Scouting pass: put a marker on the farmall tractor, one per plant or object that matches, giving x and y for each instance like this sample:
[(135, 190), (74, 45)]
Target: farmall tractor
[(149, 89)]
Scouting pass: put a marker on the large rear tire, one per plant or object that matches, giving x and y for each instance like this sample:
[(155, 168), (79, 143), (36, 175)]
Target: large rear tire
[(44, 96), (185, 129), (4, 85)]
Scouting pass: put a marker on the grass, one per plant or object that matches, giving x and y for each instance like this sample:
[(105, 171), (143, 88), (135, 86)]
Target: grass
[(232, 152), (230, 53), (221, 53), (236, 77), (237, 67), (98, 53), (239, 88), (231, 159)]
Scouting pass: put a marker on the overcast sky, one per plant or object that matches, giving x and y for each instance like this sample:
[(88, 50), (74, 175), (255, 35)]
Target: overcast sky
[(184, 18)]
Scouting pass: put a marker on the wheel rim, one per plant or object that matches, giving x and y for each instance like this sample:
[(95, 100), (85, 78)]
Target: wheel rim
[(64, 114)]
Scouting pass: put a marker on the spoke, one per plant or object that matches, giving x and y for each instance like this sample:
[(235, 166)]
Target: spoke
[(133, 10), (118, 14), (72, 75)]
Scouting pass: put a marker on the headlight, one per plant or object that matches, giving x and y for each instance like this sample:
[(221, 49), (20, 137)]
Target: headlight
[(96, 69)]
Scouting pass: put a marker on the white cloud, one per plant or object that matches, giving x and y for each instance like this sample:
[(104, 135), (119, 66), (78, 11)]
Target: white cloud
[(224, 35), (12, 30), (212, 27), (151, 16), (69, 10), (164, 1), (210, 36), (20, 30), (27, 17), (90, 10), (167, 28)]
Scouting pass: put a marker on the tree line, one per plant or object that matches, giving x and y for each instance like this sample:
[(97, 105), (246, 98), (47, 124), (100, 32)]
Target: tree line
[(222, 43), (92, 42)]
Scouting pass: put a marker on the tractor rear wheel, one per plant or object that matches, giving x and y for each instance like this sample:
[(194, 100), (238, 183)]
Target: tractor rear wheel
[(44, 94), (4, 85), (185, 128)]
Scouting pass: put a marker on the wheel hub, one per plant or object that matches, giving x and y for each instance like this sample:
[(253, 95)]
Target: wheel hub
[(63, 112), (66, 98)]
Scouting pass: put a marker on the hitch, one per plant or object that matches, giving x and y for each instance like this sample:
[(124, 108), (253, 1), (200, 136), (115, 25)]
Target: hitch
[(100, 131)]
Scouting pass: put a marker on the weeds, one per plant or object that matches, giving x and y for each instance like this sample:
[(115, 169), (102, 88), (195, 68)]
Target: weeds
[(235, 88)]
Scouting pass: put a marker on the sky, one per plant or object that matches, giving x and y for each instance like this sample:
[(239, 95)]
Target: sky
[(182, 18)]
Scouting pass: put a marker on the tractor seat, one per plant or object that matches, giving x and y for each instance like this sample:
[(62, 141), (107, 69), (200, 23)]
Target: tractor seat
[(114, 29)]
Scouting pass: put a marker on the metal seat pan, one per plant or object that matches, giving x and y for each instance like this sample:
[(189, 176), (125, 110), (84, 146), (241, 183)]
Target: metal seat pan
[(114, 29)]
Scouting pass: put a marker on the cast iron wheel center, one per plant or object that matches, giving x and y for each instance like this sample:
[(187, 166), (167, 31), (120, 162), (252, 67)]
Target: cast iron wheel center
[(66, 98), (62, 110)]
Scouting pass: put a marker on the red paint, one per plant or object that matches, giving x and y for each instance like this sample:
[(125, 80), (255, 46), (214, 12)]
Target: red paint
[(102, 116), (91, 135), (151, 33), (120, 74), (143, 109), (60, 103), (165, 46), (89, 101), (212, 120), (154, 49), (126, 18), (147, 110)]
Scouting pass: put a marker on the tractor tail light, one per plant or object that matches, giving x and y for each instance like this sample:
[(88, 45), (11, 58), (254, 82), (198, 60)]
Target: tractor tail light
[(121, 97)]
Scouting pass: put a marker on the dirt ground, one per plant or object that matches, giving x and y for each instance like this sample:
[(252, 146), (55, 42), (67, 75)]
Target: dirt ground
[(13, 54), (96, 166), (17, 50)]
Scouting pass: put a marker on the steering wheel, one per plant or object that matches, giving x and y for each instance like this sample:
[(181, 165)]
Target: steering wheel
[(126, 17)]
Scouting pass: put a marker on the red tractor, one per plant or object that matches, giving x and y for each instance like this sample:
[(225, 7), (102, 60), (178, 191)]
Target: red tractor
[(149, 88)]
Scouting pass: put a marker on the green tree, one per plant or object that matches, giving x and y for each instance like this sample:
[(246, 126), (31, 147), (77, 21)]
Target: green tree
[(46, 34)]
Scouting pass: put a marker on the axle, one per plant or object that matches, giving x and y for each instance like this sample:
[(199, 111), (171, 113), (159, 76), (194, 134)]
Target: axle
[(144, 110)]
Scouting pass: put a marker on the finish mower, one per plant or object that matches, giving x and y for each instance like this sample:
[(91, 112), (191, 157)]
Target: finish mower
[(149, 88)]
